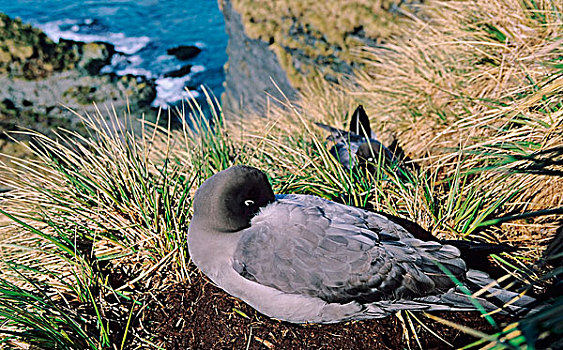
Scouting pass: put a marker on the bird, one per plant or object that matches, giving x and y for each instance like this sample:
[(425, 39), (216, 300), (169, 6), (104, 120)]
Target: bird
[(306, 259), (475, 253), (359, 146)]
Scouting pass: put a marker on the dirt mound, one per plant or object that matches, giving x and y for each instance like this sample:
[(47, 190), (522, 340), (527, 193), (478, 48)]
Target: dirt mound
[(198, 315)]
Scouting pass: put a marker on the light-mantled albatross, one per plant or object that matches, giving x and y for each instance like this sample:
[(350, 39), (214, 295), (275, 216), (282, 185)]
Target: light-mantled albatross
[(360, 147), (301, 258)]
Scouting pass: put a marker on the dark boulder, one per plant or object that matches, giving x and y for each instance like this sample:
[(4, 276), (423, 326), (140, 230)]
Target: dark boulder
[(90, 57), (185, 70), (8, 104), (184, 52)]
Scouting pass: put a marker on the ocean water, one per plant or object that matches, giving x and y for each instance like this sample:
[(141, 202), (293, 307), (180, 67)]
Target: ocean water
[(143, 30)]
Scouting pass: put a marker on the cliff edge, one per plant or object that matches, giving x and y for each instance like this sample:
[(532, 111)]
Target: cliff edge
[(296, 41), (251, 70)]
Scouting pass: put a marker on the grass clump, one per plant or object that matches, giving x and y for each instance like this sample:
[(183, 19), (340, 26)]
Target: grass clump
[(99, 221), (449, 82), (97, 217)]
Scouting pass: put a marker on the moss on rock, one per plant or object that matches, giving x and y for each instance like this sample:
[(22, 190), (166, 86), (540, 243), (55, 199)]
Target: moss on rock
[(28, 53), (312, 37), (39, 79)]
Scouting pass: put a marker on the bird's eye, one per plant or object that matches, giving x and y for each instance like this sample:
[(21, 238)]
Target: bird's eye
[(248, 202), (370, 159)]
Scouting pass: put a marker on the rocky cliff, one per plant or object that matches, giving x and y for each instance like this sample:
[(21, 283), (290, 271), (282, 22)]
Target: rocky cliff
[(295, 41), (251, 68), (41, 79)]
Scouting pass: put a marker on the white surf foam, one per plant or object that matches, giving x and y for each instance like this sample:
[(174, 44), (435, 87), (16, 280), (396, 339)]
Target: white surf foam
[(168, 90), (172, 90), (125, 44)]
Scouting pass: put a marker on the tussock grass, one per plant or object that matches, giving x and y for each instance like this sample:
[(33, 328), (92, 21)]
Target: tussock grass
[(93, 223), (480, 78), (476, 75), (100, 221), (99, 217)]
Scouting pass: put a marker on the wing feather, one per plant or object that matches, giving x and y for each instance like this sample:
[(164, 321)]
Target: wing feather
[(306, 245)]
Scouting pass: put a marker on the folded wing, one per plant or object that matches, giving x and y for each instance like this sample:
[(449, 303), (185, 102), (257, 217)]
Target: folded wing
[(306, 245)]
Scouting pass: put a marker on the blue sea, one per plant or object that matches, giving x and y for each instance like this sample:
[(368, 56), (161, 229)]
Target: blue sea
[(143, 30)]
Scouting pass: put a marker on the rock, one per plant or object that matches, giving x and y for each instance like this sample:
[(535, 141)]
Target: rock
[(19, 51), (26, 51), (5, 57), (95, 56), (250, 70), (185, 70), (184, 52), (83, 94), (89, 58), (7, 104), (40, 78), (309, 42), (40, 104), (140, 89)]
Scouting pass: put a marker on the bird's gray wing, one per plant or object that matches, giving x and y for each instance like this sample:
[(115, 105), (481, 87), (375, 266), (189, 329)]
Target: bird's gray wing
[(328, 252), (341, 136), (345, 153), (345, 146), (348, 146), (352, 215)]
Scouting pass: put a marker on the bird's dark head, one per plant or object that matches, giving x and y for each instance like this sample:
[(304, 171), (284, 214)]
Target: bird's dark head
[(371, 152), (228, 200)]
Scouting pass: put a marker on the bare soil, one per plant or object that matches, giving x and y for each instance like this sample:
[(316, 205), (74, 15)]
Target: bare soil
[(198, 315)]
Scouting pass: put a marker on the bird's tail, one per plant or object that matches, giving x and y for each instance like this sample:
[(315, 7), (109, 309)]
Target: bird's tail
[(490, 296), (478, 293)]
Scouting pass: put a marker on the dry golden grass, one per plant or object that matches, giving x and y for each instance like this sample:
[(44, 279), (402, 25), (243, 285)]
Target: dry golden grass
[(467, 67), (475, 75)]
